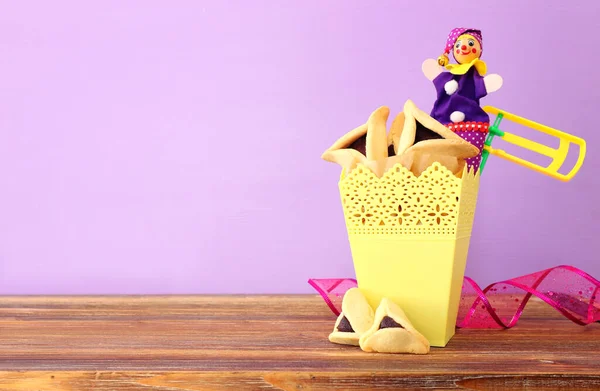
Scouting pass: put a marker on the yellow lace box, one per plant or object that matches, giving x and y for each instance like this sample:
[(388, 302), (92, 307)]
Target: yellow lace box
[(409, 238)]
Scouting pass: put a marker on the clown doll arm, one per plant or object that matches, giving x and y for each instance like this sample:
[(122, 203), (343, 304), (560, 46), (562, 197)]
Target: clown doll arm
[(484, 85), (431, 69), (492, 82)]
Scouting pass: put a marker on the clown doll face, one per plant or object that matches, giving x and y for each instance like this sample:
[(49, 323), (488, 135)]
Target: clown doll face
[(466, 49)]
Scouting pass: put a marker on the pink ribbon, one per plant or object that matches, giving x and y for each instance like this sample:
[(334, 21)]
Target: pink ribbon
[(571, 291)]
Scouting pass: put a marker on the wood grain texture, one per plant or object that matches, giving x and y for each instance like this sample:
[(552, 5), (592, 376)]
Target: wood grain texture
[(175, 343)]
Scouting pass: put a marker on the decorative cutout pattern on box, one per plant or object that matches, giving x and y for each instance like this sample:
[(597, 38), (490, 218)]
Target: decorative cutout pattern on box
[(435, 203)]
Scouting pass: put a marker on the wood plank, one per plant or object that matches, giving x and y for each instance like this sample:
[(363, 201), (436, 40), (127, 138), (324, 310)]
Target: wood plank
[(267, 342)]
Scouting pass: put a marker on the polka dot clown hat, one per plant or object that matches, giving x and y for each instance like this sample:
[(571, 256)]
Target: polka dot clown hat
[(457, 32)]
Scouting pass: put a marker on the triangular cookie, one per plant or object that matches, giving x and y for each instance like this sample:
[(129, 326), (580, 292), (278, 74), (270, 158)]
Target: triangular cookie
[(347, 158), (421, 138), (422, 160), (392, 332), (376, 148), (419, 127), (349, 138), (355, 319), (393, 137), (415, 141), (366, 144)]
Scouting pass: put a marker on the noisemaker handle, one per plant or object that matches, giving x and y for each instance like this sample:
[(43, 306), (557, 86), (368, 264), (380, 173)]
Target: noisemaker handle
[(558, 155)]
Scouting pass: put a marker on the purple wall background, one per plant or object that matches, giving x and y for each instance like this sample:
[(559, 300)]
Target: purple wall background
[(174, 147)]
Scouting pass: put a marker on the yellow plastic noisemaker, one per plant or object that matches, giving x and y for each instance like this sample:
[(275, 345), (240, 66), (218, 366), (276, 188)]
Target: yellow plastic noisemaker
[(558, 155)]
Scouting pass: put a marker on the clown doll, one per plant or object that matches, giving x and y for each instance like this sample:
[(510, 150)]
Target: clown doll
[(460, 89)]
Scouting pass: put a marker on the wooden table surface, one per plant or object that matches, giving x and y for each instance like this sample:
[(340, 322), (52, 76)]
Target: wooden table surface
[(175, 343)]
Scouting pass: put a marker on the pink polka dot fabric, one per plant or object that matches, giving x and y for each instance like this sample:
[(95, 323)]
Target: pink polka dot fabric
[(475, 133), (477, 139), (457, 32)]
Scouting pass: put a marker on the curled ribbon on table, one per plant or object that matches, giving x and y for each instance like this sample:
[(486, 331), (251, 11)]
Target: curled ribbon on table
[(571, 291)]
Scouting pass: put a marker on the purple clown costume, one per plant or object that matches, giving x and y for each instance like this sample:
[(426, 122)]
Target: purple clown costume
[(457, 103)]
